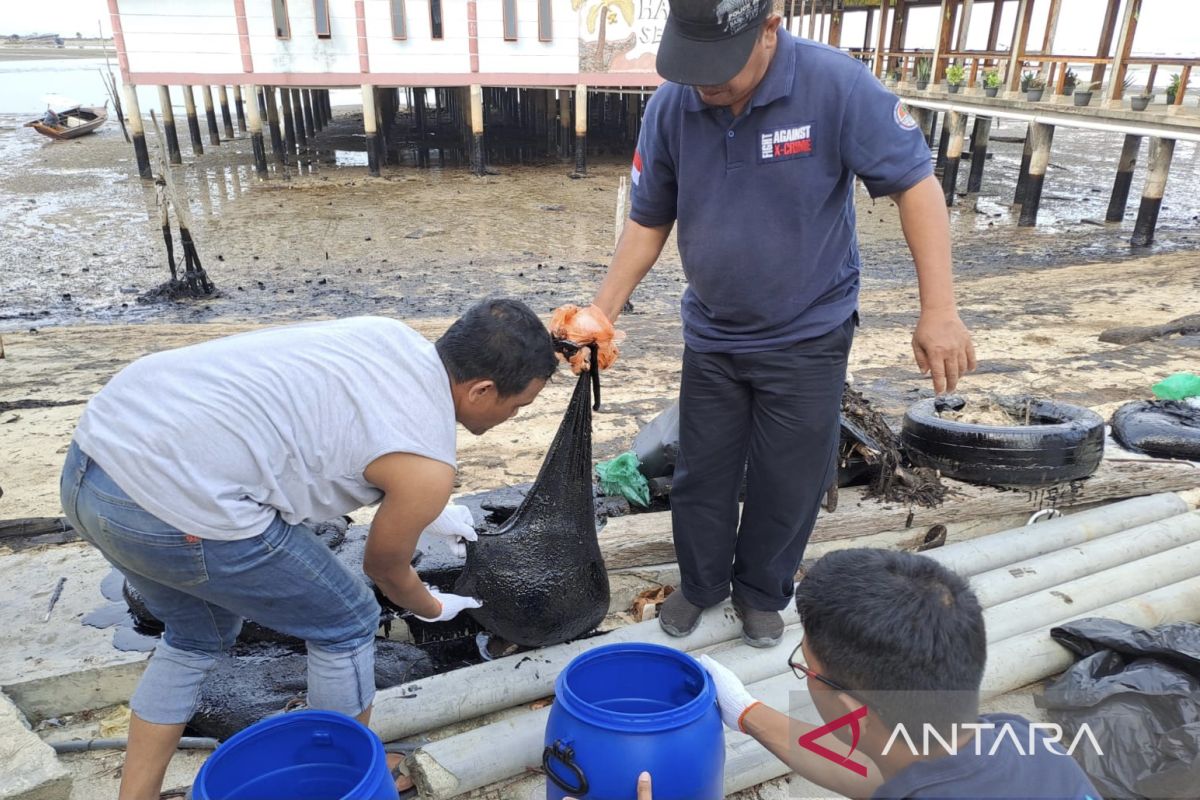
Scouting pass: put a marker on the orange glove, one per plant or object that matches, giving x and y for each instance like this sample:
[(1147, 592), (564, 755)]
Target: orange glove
[(585, 326)]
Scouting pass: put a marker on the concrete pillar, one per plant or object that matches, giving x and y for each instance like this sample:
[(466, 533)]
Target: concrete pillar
[(1023, 172), (979, 147), (223, 97), (168, 116), (1158, 164), (273, 124), (239, 106), (289, 122), (581, 126), (298, 115), (1120, 192), (138, 132), (370, 129), (957, 126), (477, 129), (310, 121), (189, 103), (256, 131), (1041, 137), (210, 113)]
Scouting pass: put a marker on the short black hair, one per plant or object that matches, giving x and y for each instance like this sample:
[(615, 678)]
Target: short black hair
[(500, 340), (900, 630)]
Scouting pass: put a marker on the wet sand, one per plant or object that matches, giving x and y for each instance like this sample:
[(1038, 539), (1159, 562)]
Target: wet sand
[(81, 243)]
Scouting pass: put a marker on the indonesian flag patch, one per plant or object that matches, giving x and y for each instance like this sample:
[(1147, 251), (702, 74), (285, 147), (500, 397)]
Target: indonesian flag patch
[(636, 172)]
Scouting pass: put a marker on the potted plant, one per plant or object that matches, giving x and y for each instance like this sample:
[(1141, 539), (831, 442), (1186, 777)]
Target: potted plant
[(1139, 100), (1035, 88), (991, 82), (955, 75), (1174, 88), (1070, 83), (1083, 93), (924, 67)]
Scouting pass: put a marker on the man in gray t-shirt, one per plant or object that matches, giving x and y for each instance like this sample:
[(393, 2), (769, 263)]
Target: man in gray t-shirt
[(194, 470)]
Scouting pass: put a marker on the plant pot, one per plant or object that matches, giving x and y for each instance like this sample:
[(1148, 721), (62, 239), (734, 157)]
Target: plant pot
[(1083, 98), (1170, 98), (1139, 103), (991, 91), (1034, 95), (953, 87), (922, 85)]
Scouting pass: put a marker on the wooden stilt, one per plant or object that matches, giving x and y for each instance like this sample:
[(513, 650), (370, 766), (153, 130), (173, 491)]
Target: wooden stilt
[(289, 122), (210, 114), (239, 107), (310, 121), (138, 132), (256, 132), (272, 111), (1041, 137), (297, 110), (957, 126), (1124, 180), (979, 148), (581, 129), (369, 128), (477, 129), (189, 103), (168, 114), (223, 99)]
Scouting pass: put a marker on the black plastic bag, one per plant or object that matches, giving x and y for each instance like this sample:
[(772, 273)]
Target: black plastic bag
[(1138, 692), (541, 576)]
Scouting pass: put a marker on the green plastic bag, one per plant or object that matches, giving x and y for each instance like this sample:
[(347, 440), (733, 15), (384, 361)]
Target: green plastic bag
[(1179, 386), (622, 476)]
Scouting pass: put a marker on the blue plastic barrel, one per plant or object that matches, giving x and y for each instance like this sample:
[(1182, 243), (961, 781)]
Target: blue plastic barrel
[(305, 755), (621, 709)]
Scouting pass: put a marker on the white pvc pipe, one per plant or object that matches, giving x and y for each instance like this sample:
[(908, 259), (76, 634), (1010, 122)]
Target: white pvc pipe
[(522, 678), (1000, 549), (1066, 600), (491, 753), (1025, 577), (495, 752)]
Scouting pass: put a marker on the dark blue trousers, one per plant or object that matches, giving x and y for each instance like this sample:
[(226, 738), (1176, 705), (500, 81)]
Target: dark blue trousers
[(772, 417)]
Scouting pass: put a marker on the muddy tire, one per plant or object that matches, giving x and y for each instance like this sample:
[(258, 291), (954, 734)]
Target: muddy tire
[(1062, 443), (1160, 428)]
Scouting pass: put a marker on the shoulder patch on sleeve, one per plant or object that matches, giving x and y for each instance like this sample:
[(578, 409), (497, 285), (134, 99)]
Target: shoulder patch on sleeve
[(635, 173), (904, 117)]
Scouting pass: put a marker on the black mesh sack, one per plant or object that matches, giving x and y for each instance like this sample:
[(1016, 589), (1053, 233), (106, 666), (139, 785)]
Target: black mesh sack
[(541, 576)]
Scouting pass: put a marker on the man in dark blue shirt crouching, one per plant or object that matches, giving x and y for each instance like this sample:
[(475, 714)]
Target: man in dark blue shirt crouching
[(894, 650)]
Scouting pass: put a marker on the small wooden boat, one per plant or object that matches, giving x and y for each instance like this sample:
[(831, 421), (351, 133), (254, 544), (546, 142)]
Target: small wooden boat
[(72, 123)]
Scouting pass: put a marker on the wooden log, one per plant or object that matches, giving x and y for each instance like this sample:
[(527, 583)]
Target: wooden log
[(642, 539), (32, 526), (1134, 334)]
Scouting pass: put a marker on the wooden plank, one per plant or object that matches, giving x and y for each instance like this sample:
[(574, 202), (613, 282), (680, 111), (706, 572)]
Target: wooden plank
[(1124, 48), (642, 539), (879, 47), (1107, 29)]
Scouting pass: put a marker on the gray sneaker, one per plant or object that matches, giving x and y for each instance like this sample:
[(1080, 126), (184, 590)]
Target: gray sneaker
[(759, 628), (677, 616)]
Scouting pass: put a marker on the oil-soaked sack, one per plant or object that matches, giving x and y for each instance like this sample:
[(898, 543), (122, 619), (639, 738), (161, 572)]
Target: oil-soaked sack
[(541, 576)]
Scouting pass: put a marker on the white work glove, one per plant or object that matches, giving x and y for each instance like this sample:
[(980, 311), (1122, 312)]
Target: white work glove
[(452, 604), (457, 525), (732, 696)]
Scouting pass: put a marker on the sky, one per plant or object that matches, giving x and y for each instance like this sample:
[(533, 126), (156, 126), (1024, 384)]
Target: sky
[(1167, 27)]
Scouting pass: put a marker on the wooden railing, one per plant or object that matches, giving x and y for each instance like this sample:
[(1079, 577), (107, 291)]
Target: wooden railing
[(1054, 69)]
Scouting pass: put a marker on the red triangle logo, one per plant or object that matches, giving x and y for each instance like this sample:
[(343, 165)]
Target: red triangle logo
[(808, 741)]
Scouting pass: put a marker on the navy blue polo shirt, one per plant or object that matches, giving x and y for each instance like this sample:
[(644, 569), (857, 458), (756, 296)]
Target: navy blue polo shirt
[(997, 765), (765, 202)]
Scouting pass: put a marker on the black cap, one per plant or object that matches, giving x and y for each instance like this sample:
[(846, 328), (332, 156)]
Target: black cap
[(707, 42)]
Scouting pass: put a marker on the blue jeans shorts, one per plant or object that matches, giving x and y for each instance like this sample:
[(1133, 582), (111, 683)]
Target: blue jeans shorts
[(285, 578)]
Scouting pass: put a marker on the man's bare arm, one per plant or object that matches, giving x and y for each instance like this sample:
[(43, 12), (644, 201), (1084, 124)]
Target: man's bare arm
[(639, 248), (941, 343), (415, 490)]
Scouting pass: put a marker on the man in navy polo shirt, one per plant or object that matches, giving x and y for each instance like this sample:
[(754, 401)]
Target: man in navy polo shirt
[(752, 148)]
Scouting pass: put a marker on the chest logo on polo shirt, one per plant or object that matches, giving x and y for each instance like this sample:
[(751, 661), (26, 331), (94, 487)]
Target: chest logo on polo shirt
[(784, 143)]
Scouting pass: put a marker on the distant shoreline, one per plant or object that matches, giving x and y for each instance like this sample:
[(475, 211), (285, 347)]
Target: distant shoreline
[(19, 52)]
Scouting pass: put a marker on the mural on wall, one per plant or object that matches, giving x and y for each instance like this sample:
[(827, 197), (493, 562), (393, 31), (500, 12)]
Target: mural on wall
[(619, 35)]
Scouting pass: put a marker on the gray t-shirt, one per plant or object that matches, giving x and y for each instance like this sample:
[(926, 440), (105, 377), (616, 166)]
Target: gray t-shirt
[(217, 438)]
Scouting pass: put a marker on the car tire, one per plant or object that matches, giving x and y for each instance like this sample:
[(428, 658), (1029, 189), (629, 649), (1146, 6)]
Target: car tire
[(1063, 443)]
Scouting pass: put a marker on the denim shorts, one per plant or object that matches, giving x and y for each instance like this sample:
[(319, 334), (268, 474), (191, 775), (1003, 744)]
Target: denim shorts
[(201, 589)]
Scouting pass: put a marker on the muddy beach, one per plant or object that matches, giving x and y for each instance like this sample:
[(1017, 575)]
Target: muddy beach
[(319, 240)]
